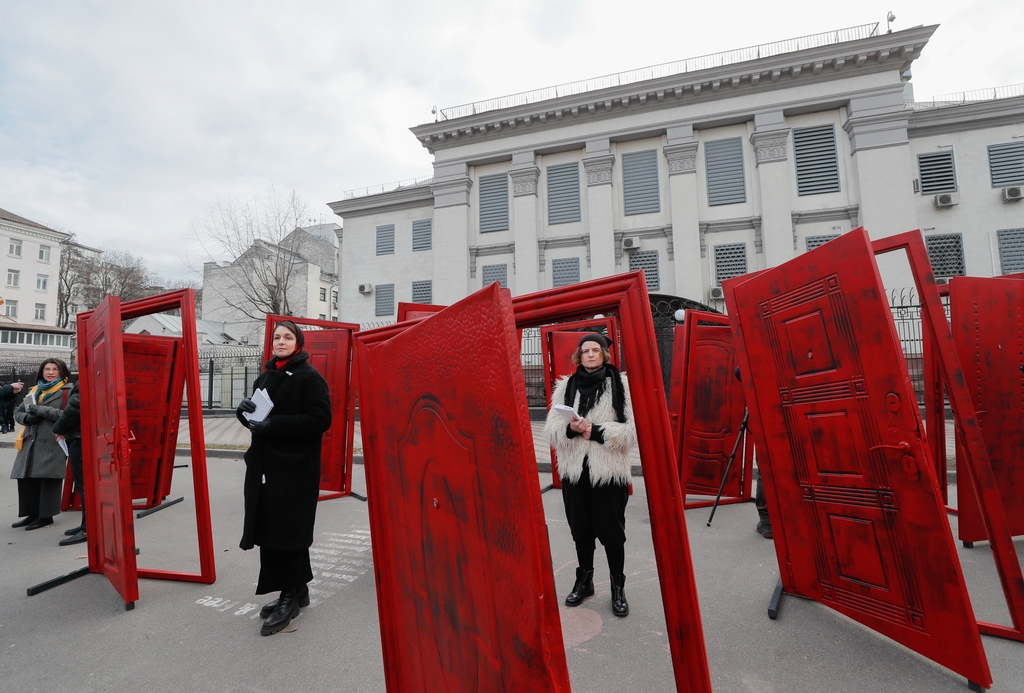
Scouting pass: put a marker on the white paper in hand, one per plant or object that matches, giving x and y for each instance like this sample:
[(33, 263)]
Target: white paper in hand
[(567, 412), (263, 406), (63, 446)]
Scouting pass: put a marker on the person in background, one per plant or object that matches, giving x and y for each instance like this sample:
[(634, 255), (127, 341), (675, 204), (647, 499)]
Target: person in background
[(69, 429), (40, 465), (282, 474), (7, 394)]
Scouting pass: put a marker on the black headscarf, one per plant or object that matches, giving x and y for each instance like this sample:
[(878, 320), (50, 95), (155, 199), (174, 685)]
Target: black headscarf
[(591, 384), (300, 340)]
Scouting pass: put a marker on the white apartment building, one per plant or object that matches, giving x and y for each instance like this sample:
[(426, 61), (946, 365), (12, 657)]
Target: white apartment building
[(695, 171), (29, 312)]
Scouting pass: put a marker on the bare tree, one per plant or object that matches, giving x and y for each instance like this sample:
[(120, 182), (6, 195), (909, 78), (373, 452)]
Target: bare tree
[(75, 273), (255, 237), (122, 274)]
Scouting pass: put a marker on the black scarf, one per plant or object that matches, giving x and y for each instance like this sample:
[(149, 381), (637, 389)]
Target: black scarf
[(591, 386), (294, 359)]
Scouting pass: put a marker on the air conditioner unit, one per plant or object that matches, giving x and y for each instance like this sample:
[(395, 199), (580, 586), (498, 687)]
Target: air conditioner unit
[(1012, 194), (366, 288), (631, 243), (716, 293), (947, 199), (941, 280)]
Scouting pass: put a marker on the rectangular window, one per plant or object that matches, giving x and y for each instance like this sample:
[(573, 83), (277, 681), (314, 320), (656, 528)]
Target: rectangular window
[(812, 242), (730, 261), (1006, 164), (4, 336), (422, 231), (646, 260), (44, 253), (41, 281), (563, 193), (946, 253), (817, 162), (13, 277), (937, 172), (565, 271), (322, 317), (1011, 250), (14, 248), (495, 273), (334, 298), (422, 292), (385, 299), (323, 294), (723, 163), (11, 309), (386, 239), (640, 182), (494, 203), (40, 311)]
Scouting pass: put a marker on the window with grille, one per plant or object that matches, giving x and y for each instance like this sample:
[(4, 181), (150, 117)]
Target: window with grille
[(812, 242), (723, 164), (946, 253), (385, 299), (640, 182), (322, 317), (323, 293), (817, 162), (495, 273), (1011, 250), (42, 280), (1006, 164), (422, 232), (386, 239), (13, 277), (14, 248), (563, 193), (40, 311), (44, 253), (730, 261), (494, 203), (646, 260), (565, 271), (422, 292), (11, 309), (937, 172)]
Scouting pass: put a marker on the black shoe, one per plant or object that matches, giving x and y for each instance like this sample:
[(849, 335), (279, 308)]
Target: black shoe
[(25, 521), (764, 528), (74, 530), (583, 588), (269, 607), (41, 522), (76, 539), (287, 609), (620, 607)]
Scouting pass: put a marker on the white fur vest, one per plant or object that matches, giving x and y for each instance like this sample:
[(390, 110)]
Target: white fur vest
[(608, 461)]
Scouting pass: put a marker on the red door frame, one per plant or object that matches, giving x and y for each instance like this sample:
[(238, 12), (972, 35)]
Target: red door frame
[(347, 427), (410, 311), (625, 295)]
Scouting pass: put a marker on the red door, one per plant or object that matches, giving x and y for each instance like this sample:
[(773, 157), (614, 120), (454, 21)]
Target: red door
[(987, 316), (852, 489), (464, 583), (105, 451)]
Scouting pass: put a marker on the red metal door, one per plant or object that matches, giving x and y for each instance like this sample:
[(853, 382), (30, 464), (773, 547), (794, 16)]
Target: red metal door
[(465, 589), (987, 316), (854, 493), (105, 450)]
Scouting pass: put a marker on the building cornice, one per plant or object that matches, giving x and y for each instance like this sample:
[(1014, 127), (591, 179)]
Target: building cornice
[(737, 224), (476, 251), (32, 232), (561, 242), (393, 200), (649, 232), (884, 52), (968, 116)]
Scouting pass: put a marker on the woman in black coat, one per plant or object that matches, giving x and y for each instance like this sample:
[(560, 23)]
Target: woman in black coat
[(282, 474)]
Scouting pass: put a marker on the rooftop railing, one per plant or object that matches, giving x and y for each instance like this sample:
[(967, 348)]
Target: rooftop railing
[(387, 187), (962, 97), (678, 67)]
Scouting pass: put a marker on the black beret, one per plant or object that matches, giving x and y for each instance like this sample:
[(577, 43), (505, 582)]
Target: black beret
[(595, 337)]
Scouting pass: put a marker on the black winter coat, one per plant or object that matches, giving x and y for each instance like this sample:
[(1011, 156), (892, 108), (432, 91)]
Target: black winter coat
[(69, 424), (282, 467)]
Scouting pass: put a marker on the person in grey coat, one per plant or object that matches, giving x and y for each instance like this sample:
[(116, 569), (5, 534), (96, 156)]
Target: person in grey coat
[(41, 464)]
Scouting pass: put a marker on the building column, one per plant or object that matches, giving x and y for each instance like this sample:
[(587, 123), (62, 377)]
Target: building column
[(598, 164), (524, 175), (771, 150), (451, 232), (681, 153)]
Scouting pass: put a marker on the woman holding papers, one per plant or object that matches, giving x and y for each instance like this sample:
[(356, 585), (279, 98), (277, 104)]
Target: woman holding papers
[(282, 473), (592, 434), (41, 463)]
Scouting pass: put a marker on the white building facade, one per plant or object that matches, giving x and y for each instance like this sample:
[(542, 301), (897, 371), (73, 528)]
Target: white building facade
[(695, 172)]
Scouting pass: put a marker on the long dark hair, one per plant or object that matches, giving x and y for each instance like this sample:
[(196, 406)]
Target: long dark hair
[(65, 372)]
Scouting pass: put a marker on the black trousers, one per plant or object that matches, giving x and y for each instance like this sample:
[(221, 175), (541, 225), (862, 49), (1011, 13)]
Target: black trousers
[(596, 512), (283, 570), (39, 497)]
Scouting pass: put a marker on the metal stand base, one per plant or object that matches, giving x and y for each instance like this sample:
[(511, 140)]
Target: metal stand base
[(968, 544), (357, 496), (165, 504), (546, 489), (775, 603), (971, 685), (50, 584)]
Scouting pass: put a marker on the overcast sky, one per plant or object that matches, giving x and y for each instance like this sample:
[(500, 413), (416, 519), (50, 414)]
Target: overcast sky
[(124, 122)]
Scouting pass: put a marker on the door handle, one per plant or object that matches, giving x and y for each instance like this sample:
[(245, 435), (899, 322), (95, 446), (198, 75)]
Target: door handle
[(903, 446)]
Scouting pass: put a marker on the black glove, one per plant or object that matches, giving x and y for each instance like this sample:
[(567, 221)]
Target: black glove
[(33, 409), (247, 406), (260, 428)]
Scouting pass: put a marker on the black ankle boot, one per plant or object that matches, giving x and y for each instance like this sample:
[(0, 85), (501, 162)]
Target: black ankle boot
[(269, 607), (620, 607), (583, 588), (25, 521), (287, 609)]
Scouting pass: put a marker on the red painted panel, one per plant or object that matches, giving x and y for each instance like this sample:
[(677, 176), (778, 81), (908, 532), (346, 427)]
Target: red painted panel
[(987, 316), (862, 525), (106, 457), (465, 590), (413, 311)]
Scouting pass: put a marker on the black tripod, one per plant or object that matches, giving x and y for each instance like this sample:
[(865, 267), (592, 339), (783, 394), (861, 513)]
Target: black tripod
[(728, 465)]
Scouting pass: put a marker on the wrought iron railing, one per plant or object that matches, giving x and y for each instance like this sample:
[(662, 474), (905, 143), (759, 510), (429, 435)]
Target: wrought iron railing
[(961, 97), (387, 187)]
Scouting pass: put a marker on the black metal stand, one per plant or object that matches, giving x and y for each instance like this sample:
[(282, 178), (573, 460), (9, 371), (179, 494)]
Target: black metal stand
[(181, 466), (57, 581), (728, 465), (357, 496), (972, 686), (968, 544), (165, 504), (776, 601), (546, 489)]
